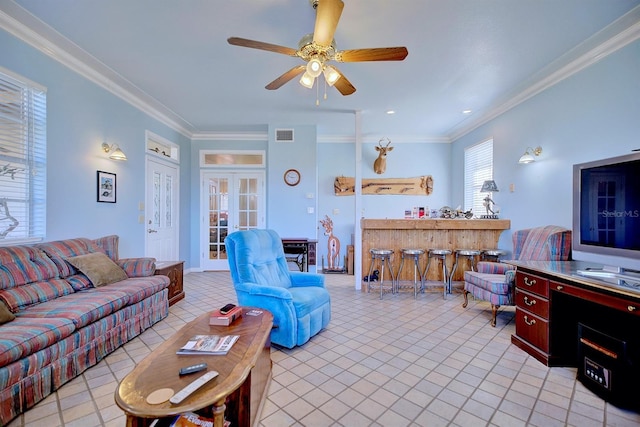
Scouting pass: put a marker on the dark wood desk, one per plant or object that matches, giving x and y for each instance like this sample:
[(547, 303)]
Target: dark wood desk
[(300, 250), (551, 299)]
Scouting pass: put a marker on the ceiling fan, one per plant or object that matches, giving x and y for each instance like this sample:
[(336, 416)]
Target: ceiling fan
[(318, 48)]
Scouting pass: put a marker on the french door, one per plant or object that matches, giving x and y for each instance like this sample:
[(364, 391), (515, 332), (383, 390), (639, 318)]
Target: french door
[(231, 201)]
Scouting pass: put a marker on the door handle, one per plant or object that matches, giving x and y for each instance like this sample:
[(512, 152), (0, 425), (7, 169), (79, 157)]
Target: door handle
[(151, 230)]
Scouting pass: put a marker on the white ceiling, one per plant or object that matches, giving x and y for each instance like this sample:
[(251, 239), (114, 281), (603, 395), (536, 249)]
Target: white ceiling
[(482, 55)]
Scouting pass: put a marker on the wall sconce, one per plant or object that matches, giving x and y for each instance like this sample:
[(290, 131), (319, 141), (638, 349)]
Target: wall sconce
[(489, 186), (114, 149), (528, 156)]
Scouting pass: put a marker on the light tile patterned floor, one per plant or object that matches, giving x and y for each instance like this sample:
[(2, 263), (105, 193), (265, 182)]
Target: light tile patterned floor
[(391, 362)]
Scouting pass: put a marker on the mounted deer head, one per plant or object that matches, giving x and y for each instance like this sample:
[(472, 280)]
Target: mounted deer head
[(380, 165)]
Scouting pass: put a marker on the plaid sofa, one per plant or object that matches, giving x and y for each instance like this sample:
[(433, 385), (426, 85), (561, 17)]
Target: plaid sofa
[(61, 323), (493, 281)]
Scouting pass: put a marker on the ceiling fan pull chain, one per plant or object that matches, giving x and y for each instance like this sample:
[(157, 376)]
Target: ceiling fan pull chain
[(325, 89), (317, 91)]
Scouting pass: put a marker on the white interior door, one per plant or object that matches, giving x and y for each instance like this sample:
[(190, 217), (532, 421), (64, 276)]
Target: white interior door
[(161, 211), (231, 201)]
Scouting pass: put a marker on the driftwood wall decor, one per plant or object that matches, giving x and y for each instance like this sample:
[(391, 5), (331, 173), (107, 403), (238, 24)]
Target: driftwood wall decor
[(421, 185)]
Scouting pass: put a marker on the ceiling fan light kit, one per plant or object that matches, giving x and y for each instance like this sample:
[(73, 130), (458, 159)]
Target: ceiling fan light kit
[(307, 80), (319, 47)]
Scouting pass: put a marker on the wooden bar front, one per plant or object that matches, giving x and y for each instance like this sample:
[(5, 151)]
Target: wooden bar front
[(427, 234)]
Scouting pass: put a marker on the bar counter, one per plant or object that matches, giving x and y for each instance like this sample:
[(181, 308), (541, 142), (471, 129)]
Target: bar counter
[(427, 234)]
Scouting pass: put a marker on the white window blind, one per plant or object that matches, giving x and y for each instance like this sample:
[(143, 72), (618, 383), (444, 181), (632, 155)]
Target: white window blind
[(478, 167), (22, 159)]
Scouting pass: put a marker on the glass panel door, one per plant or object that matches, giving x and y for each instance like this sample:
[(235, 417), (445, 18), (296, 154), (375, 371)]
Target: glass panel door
[(232, 201)]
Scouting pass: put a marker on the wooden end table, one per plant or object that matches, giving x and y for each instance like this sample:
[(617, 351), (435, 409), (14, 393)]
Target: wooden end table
[(237, 394), (172, 269)]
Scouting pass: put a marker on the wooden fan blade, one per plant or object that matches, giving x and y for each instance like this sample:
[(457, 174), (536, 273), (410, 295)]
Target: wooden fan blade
[(254, 44), (343, 85), (277, 83), (375, 54), (327, 16)]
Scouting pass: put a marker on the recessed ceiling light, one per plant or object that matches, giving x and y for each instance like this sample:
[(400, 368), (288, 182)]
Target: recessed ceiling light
[(466, 111), (391, 112)]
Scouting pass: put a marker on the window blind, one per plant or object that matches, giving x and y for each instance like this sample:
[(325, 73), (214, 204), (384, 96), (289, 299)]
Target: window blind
[(478, 167), (22, 159)]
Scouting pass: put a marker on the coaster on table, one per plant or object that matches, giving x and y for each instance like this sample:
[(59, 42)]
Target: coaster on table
[(160, 396)]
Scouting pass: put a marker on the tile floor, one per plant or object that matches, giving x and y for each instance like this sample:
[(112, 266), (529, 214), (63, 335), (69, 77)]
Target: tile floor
[(391, 362)]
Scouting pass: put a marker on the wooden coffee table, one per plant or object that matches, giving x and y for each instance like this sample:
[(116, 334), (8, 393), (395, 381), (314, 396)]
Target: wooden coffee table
[(236, 394)]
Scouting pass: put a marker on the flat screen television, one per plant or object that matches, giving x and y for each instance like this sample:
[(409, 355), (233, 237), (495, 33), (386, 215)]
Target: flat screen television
[(606, 212)]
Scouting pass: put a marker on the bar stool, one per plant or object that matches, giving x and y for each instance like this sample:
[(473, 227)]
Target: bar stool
[(415, 254), (441, 254), (492, 254), (382, 255), (469, 253)]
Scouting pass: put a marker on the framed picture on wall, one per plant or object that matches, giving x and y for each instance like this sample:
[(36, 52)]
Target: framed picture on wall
[(106, 187)]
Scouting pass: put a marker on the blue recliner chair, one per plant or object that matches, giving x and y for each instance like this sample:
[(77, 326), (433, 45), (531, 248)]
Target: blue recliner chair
[(299, 301)]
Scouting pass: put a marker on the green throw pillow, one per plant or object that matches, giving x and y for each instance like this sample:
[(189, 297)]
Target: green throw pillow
[(98, 268), (5, 314)]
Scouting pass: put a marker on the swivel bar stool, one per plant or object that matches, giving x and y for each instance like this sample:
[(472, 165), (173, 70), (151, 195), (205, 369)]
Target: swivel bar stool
[(440, 254), (492, 254), (382, 255), (468, 253), (415, 254)]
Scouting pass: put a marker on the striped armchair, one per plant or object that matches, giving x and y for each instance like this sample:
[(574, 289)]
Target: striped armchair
[(494, 282)]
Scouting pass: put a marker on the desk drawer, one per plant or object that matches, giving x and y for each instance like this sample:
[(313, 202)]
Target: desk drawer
[(626, 305), (532, 303), (532, 283), (532, 329)]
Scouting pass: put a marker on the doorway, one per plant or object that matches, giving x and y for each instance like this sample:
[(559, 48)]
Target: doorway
[(161, 210), (231, 201)]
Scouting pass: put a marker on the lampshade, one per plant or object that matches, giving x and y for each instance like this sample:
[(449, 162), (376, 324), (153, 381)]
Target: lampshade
[(331, 75), (489, 186), (314, 67), (307, 80), (116, 152), (528, 156)]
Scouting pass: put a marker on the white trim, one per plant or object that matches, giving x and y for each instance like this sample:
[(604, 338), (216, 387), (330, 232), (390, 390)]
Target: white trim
[(556, 72), (44, 38), (206, 167), (31, 30), (226, 136), (173, 157)]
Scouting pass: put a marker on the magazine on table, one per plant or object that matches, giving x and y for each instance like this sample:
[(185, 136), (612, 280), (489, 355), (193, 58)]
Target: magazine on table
[(209, 344)]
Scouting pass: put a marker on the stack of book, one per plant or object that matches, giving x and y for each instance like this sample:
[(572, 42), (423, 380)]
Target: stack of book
[(219, 319)]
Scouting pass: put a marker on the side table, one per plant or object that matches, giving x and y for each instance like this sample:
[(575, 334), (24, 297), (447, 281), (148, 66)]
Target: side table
[(174, 270)]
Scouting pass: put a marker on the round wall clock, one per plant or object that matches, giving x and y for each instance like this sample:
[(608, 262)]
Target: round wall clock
[(292, 177)]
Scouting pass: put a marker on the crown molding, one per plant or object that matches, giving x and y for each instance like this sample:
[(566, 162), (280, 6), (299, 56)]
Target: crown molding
[(42, 37), (397, 139), (615, 36), (230, 136), (37, 34)]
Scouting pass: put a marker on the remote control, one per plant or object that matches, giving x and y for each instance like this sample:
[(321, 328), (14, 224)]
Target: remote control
[(193, 369), (227, 308), (193, 386)]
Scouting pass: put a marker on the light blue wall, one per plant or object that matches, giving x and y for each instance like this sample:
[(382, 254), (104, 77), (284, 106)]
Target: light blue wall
[(80, 117), (287, 207), (592, 115), (407, 160)]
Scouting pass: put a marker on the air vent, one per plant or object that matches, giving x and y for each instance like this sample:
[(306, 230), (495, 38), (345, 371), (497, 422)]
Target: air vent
[(284, 135)]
